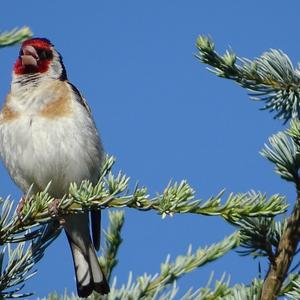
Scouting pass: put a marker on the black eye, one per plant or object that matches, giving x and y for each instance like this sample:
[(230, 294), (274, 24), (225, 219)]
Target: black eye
[(44, 54)]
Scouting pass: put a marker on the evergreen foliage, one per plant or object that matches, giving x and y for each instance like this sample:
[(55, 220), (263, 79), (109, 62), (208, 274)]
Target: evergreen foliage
[(272, 79)]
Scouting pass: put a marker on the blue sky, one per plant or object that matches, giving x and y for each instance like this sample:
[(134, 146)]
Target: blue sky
[(162, 114)]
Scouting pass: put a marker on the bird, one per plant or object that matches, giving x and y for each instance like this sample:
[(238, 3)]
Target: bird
[(48, 134)]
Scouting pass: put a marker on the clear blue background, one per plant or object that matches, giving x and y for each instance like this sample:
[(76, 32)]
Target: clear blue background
[(162, 114)]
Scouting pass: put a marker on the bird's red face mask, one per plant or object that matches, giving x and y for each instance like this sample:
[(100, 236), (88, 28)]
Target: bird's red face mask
[(35, 57)]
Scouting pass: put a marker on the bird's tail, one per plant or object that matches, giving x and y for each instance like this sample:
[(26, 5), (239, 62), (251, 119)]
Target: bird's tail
[(89, 276)]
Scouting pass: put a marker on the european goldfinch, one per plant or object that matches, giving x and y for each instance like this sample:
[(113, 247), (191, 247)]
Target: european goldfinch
[(47, 134)]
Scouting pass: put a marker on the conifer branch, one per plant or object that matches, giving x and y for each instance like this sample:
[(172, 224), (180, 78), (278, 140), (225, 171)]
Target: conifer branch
[(113, 191), (270, 78), (113, 241), (224, 291), (221, 290), (294, 133), (287, 247), (20, 261), (9, 38), (284, 153), (185, 264), (152, 287), (291, 287), (260, 236)]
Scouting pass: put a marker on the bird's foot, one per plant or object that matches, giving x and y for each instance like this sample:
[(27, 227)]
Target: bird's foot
[(53, 209), (20, 207)]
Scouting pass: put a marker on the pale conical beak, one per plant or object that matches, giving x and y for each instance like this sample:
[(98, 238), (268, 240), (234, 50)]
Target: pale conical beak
[(29, 57)]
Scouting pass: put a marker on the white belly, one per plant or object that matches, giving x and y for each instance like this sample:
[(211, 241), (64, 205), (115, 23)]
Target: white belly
[(38, 150)]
